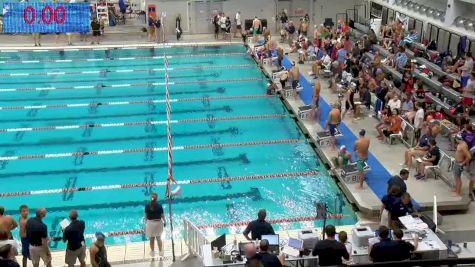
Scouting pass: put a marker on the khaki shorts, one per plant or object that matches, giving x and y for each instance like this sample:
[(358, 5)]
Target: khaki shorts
[(417, 153), (154, 228), (72, 255), (38, 253)]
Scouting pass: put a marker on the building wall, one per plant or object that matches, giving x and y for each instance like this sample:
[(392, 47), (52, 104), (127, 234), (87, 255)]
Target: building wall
[(318, 10)]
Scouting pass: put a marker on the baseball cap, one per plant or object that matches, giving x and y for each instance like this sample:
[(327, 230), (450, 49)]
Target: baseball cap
[(100, 236)]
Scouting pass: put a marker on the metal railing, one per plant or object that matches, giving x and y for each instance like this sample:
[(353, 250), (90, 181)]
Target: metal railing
[(194, 239)]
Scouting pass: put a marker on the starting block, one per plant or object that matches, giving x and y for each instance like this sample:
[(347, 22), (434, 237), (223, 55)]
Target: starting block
[(324, 138), (349, 173), (276, 75), (304, 112), (289, 92)]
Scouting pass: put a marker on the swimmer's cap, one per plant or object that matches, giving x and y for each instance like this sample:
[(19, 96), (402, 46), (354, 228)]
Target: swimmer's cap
[(362, 132), (100, 236), (343, 147)]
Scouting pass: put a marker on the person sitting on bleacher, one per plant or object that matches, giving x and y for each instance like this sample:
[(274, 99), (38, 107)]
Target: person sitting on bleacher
[(418, 151), (431, 158), (394, 102), (400, 59), (407, 108), (409, 39), (395, 124), (304, 54)]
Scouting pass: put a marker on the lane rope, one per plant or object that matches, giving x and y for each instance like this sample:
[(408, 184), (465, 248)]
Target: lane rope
[(54, 73), (140, 123), (120, 58), (102, 86), (181, 182), (149, 149), (135, 102)]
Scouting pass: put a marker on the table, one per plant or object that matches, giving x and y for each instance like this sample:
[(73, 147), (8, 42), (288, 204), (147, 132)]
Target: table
[(430, 247), (298, 262)]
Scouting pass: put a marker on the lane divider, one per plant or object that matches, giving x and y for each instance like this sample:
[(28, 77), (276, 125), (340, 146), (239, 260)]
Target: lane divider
[(102, 86), (139, 123), (233, 224), (134, 102), (149, 149), (121, 58), (125, 70), (137, 185)]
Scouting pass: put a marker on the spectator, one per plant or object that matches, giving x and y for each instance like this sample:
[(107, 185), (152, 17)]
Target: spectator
[(400, 59), (155, 222), (394, 103), (7, 222), (466, 70), (431, 158), (238, 21), (341, 54), (98, 252), (267, 259), (5, 260), (330, 252), (258, 227), (469, 92), (418, 119), (394, 124), (4, 240), (384, 121), (37, 234), (399, 181), (401, 208), (74, 235), (25, 244)]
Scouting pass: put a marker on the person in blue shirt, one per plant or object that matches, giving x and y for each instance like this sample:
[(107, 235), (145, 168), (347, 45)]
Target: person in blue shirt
[(418, 151), (401, 59), (398, 180), (341, 55), (401, 208)]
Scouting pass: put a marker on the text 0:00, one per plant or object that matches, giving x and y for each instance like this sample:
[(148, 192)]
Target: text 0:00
[(48, 15)]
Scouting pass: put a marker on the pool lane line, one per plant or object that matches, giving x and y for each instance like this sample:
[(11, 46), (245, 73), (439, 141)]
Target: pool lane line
[(224, 108), (105, 71), (180, 182), (103, 86), (121, 58), (134, 102), (151, 149), (140, 123)]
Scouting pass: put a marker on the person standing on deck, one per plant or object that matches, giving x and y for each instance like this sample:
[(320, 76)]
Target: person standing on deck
[(155, 222), (362, 151)]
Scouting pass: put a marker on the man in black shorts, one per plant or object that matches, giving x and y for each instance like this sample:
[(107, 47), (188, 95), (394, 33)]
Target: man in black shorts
[(96, 30)]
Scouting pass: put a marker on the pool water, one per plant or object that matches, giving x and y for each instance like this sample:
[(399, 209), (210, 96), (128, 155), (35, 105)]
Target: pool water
[(62, 88)]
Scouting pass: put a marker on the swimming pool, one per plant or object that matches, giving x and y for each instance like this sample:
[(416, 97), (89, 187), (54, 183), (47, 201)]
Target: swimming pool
[(78, 119)]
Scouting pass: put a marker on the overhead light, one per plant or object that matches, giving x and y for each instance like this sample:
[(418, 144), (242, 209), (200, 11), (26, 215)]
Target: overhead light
[(411, 4), (459, 21), (416, 7), (468, 24), (430, 11)]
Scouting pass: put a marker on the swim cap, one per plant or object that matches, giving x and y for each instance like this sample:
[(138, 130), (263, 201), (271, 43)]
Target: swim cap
[(343, 147), (362, 132)]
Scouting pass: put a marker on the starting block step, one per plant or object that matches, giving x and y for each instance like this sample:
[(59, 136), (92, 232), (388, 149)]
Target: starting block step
[(349, 173), (324, 138), (304, 112)]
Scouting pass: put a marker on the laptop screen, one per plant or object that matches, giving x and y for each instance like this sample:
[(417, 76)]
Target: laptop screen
[(273, 239), (295, 243)]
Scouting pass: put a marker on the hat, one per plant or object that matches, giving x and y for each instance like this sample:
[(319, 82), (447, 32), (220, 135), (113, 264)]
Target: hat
[(343, 147), (100, 236)]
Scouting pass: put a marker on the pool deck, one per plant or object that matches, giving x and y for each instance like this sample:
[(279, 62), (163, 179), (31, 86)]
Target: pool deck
[(460, 212)]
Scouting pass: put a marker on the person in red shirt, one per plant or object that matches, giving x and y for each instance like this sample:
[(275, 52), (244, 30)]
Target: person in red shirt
[(408, 84), (395, 124)]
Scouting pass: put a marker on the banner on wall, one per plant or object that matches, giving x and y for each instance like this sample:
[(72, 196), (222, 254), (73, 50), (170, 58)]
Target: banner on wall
[(46, 17)]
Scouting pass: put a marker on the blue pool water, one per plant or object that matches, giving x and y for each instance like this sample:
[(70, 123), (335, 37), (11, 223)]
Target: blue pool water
[(108, 76)]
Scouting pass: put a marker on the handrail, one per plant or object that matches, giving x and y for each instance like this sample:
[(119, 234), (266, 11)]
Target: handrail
[(194, 238), (412, 136)]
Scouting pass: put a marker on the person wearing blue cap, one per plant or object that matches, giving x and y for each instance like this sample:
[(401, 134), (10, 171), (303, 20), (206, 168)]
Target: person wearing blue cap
[(98, 252)]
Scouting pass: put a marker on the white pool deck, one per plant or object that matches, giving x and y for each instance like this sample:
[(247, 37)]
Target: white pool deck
[(459, 224)]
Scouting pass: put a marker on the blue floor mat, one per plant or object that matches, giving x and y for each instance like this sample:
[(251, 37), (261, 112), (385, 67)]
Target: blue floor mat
[(378, 177)]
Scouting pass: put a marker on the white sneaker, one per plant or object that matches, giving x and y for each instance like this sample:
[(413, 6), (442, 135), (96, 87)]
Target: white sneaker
[(152, 253), (161, 253)]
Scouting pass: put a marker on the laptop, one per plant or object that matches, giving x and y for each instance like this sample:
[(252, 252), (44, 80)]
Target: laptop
[(273, 243), (293, 248)]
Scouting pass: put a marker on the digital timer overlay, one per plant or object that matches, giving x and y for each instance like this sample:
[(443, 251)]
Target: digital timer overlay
[(46, 17)]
